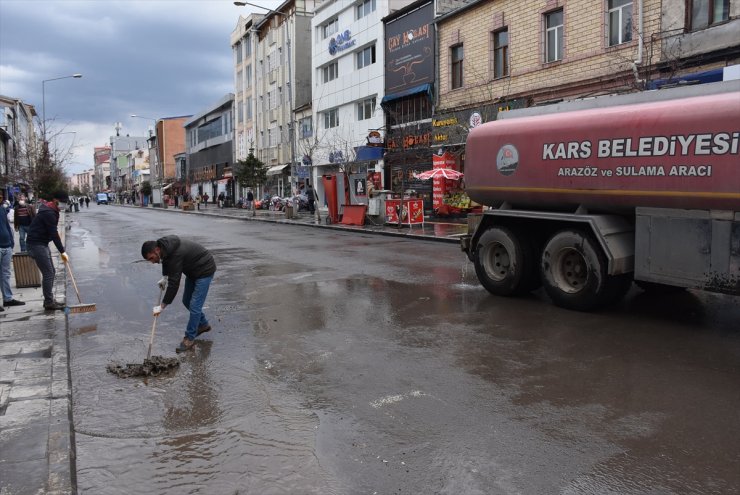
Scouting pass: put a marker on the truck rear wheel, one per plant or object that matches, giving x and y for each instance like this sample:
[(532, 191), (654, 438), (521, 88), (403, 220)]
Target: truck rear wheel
[(505, 263), (574, 272)]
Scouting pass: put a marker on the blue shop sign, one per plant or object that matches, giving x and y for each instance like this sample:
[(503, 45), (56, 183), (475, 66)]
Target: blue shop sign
[(340, 42)]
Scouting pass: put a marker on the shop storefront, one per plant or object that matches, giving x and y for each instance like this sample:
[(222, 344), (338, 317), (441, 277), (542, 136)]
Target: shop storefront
[(408, 154), (449, 132)]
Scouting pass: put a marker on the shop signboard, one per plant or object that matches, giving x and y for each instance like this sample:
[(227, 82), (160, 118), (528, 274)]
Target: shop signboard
[(412, 214), (409, 50)]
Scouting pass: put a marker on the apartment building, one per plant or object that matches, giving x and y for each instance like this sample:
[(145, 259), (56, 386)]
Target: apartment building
[(167, 141), (244, 47), (101, 175), (83, 182), (18, 146), (138, 169), (348, 68), (120, 147), (282, 83), (500, 55), (411, 84)]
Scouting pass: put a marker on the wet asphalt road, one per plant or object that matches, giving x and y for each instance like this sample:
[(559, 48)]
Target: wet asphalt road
[(362, 364)]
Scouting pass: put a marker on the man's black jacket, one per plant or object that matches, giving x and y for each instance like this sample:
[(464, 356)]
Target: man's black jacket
[(43, 227), (180, 256)]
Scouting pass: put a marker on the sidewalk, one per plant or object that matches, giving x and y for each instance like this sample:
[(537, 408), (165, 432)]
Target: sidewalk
[(431, 230), (36, 439)]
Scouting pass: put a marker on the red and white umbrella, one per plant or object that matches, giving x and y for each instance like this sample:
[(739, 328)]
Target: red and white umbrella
[(439, 173)]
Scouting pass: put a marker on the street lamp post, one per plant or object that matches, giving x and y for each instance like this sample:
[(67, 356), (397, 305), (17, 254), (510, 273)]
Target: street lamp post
[(290, 82), (43, 98)]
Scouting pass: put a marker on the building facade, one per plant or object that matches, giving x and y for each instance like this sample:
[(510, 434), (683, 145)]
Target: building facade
[(120, 147), (209, 147), (494, 56), (101, 176), (167, 141), (349, 65), (18, 146), (282, 83)]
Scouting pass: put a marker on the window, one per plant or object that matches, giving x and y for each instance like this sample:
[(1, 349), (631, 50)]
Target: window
[(273, 137), (410, 109), (248, 105), (248, 80), (238, 48), (365, 109), (365, 8), (248, 45), (704, 13), (501, 53), (619, 21), (330, 28), (330, 72), (306, 127), (554, 36), (366, 57), (331, 118), (272, 99), (210, 130), (456, 56), (239, 80)]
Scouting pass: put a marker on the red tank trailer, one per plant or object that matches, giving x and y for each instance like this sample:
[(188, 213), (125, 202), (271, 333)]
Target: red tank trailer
[(672, 154), (587, 196)]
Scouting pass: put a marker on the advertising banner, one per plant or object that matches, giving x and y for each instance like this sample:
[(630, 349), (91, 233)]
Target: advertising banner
[(409, 50), (440, 185)]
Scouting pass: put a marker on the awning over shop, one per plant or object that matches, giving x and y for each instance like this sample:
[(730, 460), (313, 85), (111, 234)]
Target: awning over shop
[(366, 153), (422, 88), (277, 169)]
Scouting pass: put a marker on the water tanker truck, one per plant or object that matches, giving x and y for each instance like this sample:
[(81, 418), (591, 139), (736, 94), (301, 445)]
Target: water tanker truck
[(586, 197)]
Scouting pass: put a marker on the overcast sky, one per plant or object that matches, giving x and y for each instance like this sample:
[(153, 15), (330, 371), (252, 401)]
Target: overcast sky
[(156, 58)]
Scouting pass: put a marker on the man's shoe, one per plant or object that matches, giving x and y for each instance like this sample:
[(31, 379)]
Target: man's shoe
[(185, 345), (203, 329), (55, 306), (13, 302)]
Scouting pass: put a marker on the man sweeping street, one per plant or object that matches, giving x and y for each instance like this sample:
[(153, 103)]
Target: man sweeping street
[(183, 257), (42, 231)]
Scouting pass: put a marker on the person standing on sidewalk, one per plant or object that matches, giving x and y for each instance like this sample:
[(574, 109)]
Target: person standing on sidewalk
[(43, 230), (22, 217), (7, 243), (181, 256), (311, 196), (250, 200)]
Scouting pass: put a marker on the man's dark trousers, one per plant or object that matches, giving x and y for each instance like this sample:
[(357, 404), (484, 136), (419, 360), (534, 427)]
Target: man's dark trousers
[(42, 256)]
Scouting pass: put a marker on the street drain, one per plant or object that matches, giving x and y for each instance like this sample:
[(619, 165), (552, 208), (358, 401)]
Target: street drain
[(150, 367)]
